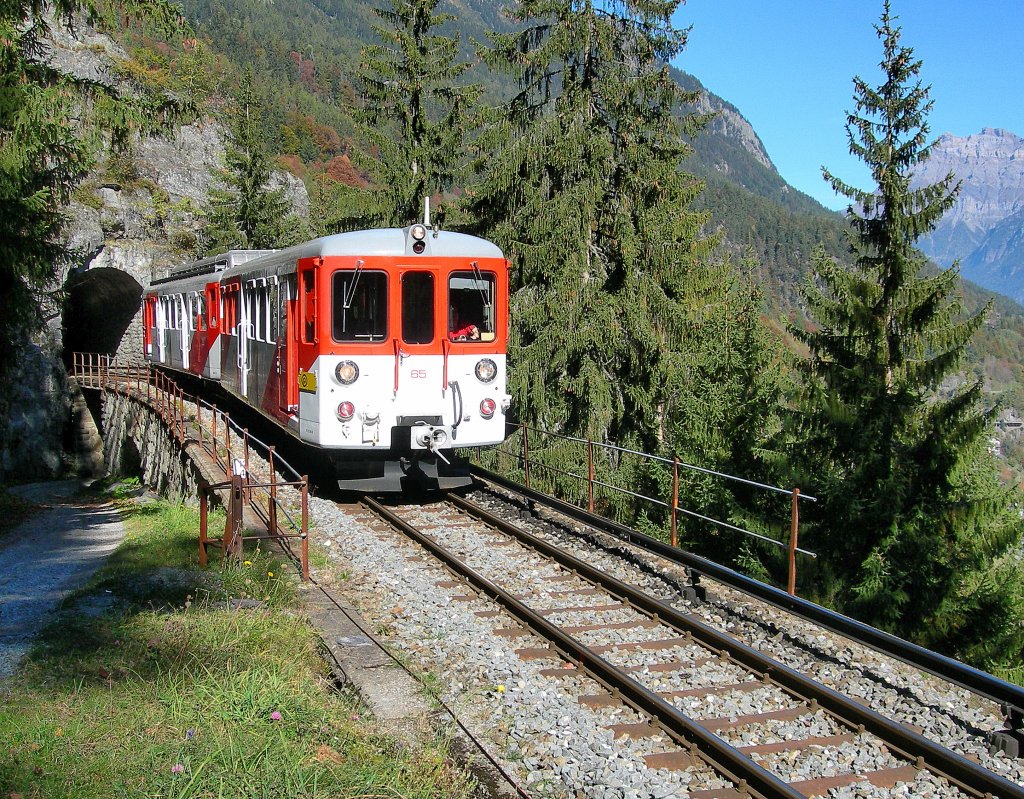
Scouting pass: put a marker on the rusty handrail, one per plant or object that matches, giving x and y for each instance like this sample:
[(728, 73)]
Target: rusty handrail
[(529, 463), (168, 401)]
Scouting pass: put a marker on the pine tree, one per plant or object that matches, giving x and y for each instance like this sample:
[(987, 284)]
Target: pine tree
[(413, 112), (245, 212), (910, 510)]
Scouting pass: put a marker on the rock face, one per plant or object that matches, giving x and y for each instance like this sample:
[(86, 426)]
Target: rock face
[(985, 229), (136, 214)]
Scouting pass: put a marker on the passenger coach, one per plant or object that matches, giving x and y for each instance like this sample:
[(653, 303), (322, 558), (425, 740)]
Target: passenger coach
[(385, 348)]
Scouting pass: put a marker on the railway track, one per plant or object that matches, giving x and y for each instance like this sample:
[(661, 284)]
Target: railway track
[(658, 679)]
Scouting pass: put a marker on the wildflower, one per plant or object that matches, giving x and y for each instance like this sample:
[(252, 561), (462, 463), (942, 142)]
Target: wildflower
[(177, 768), (354, 717), (270, 574), (276, 715), (500, 689), (248, 563), (189, 733)]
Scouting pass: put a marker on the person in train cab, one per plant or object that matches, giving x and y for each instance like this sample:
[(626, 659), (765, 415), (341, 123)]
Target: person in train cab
[(459, 332)]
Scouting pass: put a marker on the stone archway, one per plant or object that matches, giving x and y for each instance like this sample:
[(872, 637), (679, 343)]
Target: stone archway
[(100, 307)]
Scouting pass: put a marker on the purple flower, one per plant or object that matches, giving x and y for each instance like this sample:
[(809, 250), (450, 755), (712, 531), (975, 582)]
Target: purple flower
[(276, 715), (189, 733), (177, 768)]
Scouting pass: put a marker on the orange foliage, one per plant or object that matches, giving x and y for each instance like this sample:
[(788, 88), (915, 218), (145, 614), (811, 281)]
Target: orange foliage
[(340, 170)]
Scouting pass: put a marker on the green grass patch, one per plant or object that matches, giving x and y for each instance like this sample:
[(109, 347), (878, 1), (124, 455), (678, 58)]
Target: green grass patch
[(156, 681)]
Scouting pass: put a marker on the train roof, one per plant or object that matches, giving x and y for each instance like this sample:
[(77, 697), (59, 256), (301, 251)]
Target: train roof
[(396, 242), (210, 265)]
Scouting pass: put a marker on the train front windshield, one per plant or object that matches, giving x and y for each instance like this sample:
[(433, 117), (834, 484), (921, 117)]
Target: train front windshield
[(471, 306), (360, 305)]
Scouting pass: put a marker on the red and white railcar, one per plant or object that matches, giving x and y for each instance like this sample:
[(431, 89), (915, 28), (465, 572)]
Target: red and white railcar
[(385, 348)]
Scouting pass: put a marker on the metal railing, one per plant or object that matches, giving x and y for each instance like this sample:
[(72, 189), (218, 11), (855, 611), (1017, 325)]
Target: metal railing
[(528, 460), (183, 415)]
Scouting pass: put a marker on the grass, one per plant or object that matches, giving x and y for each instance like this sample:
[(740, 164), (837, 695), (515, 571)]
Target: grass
[(151, 684)]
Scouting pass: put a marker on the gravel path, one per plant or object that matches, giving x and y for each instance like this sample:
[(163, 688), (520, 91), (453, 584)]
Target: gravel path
[(46, 557)]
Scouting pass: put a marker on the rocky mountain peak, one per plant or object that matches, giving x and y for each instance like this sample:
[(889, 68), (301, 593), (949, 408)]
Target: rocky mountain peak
[(982, 229)]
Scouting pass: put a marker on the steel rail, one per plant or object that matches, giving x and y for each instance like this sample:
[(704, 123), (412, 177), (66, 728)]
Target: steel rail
[(1009, 696), (730, 763), (969, 776)]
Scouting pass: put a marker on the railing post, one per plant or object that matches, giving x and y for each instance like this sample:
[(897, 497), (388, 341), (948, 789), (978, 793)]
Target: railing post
[(793, 531), (203, 520), (590, 475), (229, 467), (305, 527), (526, 456), (675, 500), (272, 509), (233, 544), (248, 481)]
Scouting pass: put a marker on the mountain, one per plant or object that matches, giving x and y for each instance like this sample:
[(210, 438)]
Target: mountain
[(985, 229)]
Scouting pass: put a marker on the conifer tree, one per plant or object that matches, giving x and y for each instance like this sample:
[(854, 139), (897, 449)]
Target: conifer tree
[(582, 186), (911, 513), (414, 113), (245, 212)]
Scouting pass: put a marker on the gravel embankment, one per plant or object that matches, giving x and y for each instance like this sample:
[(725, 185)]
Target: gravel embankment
[(557, 746)]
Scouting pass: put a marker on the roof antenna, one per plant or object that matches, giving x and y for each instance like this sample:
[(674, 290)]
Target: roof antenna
[(426, 212)]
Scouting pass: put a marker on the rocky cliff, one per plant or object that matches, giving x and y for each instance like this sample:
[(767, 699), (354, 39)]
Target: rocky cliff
[(985, 229), (135, 214)]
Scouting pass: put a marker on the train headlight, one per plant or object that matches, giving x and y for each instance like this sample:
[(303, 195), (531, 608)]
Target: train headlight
[(487, 408), (346, 411), (347, 372), (418, 233), (486, 370)]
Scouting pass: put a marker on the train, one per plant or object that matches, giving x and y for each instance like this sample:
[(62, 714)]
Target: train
[(385, 349)]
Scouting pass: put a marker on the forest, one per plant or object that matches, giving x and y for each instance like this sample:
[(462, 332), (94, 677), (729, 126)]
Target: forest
[(656, 306)]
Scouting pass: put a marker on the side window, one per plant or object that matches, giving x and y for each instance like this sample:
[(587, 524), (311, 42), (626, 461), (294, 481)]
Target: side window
[(417, 307), (359, 305), (275, 312), (471, 306), (309, 306), (230, 315), (212, 305)]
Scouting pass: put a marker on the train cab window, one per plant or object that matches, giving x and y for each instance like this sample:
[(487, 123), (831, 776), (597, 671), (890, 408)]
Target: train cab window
[(359, 304), (417, 307), (471, 306)]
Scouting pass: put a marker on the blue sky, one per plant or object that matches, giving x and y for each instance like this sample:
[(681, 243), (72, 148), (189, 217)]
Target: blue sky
[(788, 66)]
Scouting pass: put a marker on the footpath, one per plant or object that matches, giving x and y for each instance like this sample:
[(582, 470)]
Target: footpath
[(48, 556)]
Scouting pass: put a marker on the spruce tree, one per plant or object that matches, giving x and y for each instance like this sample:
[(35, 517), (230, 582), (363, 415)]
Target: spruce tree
[(245, 212), (910, 511), (614, 286), (413, 112)]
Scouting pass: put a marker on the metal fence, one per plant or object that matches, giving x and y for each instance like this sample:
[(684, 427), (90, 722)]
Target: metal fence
[(226, 444), (591, 452)]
